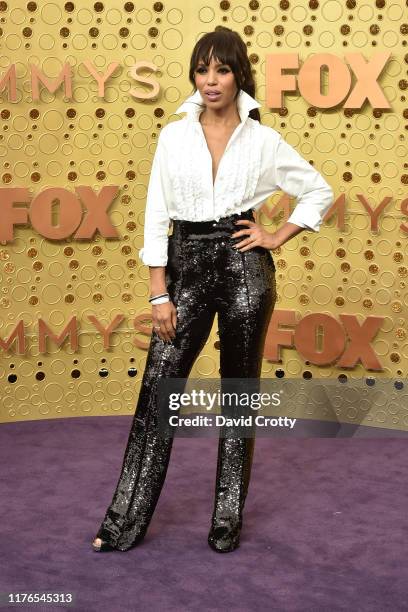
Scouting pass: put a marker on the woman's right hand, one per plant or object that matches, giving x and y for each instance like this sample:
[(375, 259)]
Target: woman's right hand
[(165, 317)]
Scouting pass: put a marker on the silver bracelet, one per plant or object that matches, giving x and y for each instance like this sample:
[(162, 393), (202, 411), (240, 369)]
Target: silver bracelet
[(162, 299), (157, 296)]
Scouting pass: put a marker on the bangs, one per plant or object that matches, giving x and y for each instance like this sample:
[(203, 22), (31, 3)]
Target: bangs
[(218, 48)]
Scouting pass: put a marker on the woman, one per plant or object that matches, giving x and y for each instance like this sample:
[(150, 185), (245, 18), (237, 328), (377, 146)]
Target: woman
[(210, 170)]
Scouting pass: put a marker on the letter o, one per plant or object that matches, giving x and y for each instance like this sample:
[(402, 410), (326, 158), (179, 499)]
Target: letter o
[(334, 339), (309, 80), (70, 213)]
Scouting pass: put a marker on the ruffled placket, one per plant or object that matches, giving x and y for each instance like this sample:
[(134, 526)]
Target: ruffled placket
[(186, 177), (240, 170)]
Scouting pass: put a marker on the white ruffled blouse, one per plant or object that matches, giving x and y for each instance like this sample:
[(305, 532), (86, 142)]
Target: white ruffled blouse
[(257, 162)]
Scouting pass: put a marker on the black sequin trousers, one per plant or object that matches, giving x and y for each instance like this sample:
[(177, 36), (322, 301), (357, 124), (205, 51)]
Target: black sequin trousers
[(205, 275)]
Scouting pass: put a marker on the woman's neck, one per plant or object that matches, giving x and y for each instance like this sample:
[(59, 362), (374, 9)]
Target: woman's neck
[(227, 117)]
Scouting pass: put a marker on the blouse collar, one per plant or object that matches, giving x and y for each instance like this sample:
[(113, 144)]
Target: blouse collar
[(195, 104)]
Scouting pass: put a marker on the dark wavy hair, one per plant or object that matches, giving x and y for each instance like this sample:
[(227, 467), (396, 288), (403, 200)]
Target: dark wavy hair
[(228, 48)]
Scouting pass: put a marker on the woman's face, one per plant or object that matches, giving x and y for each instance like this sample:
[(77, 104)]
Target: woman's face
[(217, 78)]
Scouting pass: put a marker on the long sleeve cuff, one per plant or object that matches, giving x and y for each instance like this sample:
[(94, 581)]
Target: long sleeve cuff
[(154, 257), (313, 204)]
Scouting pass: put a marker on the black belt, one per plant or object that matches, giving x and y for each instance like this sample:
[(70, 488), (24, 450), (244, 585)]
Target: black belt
[(225, 226)]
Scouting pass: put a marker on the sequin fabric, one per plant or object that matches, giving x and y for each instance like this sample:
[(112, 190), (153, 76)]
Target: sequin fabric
[(205, 275)]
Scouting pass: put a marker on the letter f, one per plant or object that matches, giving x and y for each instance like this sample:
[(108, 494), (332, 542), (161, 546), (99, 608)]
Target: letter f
[(10, 215)]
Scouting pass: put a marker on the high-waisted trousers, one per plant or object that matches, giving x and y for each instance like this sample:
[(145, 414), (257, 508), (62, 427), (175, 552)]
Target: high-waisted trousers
[(205, 276)]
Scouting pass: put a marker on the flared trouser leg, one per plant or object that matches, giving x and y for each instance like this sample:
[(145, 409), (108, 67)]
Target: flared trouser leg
[(245, 307), (148, 451)]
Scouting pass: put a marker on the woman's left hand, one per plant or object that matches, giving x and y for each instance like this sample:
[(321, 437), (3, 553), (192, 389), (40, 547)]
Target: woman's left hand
[(253, 235)]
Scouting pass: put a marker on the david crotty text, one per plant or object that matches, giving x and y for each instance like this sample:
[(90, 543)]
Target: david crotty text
[(220, 420)]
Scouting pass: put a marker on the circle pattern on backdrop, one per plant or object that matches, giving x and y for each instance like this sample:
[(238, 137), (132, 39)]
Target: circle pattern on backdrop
[(93, 141)]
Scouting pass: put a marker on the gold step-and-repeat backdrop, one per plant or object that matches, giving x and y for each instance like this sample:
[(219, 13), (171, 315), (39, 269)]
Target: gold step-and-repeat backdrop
[(86, 88)]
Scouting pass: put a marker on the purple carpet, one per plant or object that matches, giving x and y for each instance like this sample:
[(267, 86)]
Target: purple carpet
[(325, 524)]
